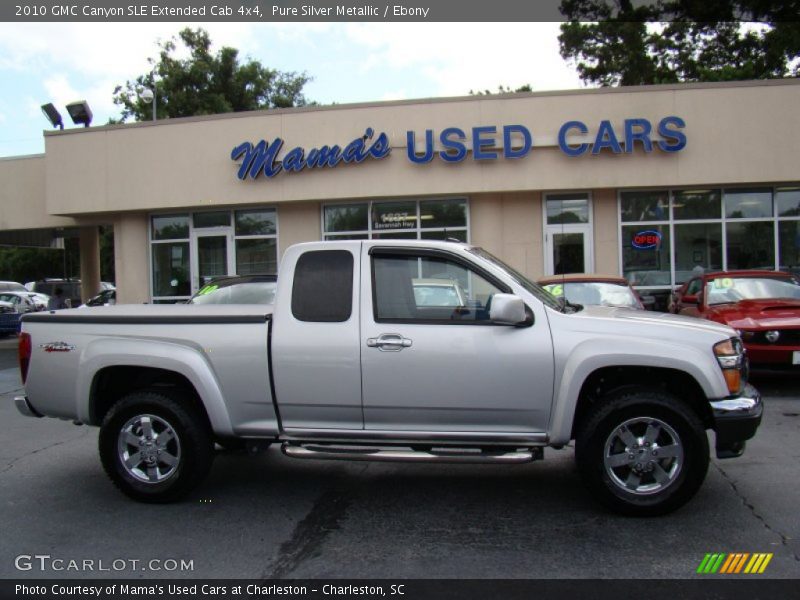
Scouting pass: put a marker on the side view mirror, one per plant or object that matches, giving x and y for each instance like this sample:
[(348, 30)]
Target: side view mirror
[(507, 309)]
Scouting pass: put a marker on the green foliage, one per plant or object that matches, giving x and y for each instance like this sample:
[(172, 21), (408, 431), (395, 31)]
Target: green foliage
[(501, 89), (668, 42), (29, 264), (206, 83)]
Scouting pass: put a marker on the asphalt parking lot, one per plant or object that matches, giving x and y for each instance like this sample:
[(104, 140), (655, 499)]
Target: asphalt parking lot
[(270, 516)]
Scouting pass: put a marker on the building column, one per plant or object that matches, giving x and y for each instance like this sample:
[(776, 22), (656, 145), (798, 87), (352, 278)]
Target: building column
[(131, 259), (89, 244)]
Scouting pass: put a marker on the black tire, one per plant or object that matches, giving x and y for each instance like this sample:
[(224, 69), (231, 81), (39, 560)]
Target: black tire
[(178, 463), (627, 472)]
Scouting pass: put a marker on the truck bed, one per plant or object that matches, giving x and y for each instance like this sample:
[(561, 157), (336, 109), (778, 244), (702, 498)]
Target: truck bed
[(221, 349)]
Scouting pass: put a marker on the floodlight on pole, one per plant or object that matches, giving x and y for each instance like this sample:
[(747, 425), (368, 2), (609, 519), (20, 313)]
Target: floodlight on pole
[(52, 114), (80, 113)]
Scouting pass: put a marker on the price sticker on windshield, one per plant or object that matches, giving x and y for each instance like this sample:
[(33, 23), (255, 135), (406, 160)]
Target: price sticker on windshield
[(556, 289), (207, 290), (724, 283)]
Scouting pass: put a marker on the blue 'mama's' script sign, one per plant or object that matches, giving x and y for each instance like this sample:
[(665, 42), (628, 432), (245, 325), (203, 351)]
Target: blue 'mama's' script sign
[(263, 156), (484, 143)]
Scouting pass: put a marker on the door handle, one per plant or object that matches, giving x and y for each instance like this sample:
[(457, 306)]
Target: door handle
[(389, 342)]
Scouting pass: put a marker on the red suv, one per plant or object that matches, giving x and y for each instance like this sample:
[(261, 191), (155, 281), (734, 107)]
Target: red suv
[(764, 306)]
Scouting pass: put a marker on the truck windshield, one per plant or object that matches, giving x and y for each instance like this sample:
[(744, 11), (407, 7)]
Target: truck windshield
[(520, 279)]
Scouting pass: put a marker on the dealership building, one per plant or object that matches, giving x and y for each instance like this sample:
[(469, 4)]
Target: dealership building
[(648, 182)]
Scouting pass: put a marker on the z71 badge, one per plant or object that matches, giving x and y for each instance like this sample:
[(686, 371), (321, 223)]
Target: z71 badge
[(57, 347)]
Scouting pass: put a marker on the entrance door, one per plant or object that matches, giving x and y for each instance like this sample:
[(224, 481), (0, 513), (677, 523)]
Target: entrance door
[(212, 255), (568, 234)]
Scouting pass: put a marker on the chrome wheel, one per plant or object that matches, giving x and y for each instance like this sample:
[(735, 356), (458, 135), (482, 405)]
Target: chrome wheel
[(643, 456), (149, 449)]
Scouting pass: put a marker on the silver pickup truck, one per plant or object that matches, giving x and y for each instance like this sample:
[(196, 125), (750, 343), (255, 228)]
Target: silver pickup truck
[(349, 364)]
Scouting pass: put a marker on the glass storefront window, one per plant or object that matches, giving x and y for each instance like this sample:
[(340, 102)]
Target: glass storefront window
[(443, 213), (394, 235), (568, 253), (646, 255), (460, 235), (748, 204), (256, 222), (346, 217), (256, 256), (697, 245), (220, 218), (696, 204), (171, 269), (188, 250), (650, 205), (170, 227), (394, 215), (564, 209), (350, 236), (787, 202), (751, 245), (789, 246), (397, 219)]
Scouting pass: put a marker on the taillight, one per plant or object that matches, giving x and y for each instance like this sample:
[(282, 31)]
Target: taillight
[(24, 354)]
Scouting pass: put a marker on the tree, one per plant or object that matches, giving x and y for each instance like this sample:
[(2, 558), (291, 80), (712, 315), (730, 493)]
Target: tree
[(501, 89), (669, 42), (206, 83)]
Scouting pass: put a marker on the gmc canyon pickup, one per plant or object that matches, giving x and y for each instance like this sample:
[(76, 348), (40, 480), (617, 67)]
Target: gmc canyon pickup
[(351, 362)]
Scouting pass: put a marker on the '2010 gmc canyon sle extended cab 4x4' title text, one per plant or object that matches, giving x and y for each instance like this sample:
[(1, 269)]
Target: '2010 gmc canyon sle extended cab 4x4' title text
[(349, 363)]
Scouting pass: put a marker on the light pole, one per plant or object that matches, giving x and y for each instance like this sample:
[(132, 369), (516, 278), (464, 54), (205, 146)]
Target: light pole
[(149, 95)]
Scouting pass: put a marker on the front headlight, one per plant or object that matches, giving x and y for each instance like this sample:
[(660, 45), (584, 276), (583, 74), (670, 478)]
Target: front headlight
[(730, 356)]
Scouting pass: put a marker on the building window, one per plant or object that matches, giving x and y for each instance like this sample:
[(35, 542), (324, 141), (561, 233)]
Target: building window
[(710, 230), (397, 219), (189, 249)]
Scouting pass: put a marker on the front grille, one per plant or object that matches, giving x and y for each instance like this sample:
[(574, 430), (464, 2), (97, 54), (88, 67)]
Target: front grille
[(788, 337)]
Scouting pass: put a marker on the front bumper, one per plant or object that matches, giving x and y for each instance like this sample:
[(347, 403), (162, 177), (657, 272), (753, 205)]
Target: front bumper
[(736, 420)]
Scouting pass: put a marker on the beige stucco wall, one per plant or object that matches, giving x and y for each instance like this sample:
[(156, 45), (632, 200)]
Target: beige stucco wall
[(298, 223), (131, 258), (737, 133), (605, 231), (510, 226), (23, 197)]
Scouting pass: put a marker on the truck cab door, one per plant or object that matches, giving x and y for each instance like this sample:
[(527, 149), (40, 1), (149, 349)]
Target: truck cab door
[(431, 359), (315, 351)]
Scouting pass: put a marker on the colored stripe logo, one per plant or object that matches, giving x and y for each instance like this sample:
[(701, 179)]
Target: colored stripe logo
[(734, 564)]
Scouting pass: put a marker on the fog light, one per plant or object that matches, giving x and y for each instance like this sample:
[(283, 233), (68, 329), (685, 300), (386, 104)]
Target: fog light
[(772, 336)]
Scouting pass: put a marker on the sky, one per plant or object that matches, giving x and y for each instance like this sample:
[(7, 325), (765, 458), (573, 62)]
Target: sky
[(348, 62)]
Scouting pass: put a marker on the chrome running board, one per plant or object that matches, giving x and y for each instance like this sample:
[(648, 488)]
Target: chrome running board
[(440, 455)]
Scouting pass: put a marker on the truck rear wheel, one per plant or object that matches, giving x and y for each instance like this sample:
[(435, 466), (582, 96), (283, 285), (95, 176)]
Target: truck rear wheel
[(642, 452), (154, 448)]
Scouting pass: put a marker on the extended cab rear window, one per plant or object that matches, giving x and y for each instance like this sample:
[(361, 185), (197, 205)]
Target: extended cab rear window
[(322, 290)]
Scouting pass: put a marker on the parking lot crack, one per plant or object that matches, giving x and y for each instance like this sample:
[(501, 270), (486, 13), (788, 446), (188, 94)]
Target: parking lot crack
[(783, 537), (9, 465)]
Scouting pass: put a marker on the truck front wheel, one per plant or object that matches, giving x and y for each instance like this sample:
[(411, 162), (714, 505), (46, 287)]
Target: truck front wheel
[(642, 452), (155, 448)]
